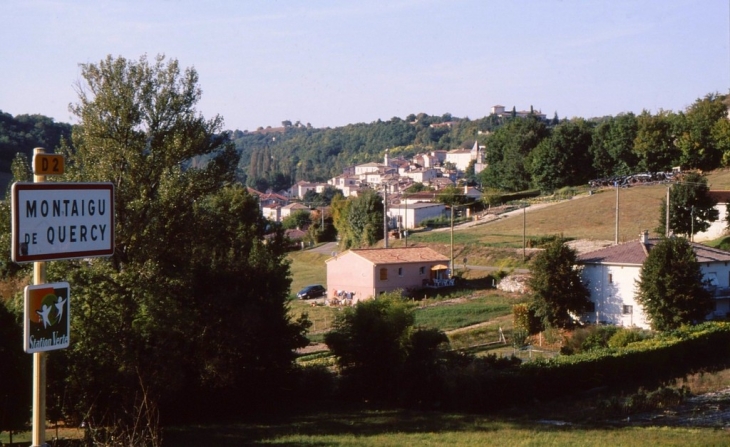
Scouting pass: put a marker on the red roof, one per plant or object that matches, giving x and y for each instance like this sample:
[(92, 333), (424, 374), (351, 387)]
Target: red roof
[(635, 253), (380, 256), (720, 196)]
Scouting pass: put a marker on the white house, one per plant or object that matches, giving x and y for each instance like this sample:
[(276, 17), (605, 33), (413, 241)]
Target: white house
[(460, 158), (717, 228), (421, 175), (367, 167), (291, 208), (411, 215), (344, 180), (302, 187), (612, 272), (271, 212)]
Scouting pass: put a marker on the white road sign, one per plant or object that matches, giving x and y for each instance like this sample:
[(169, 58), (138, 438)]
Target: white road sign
[(62, 221)]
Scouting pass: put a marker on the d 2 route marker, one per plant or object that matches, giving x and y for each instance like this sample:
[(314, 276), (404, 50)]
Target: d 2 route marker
[(48, 164), (52, 221), (47, 317)]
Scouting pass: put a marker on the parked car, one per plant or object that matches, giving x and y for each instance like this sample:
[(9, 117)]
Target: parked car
[(313, 291)]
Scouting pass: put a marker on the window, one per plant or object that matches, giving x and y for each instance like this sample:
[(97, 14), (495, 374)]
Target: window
[(400, 271), (591, 307), (422, 271), (383, 274), (628, 310), (610, 278)]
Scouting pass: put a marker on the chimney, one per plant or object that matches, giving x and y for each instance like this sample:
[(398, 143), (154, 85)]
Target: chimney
[(644, 237), (466, 189)]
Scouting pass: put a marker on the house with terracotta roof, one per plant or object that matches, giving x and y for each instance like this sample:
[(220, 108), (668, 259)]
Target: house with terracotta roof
[(370, 272), (611, 275)]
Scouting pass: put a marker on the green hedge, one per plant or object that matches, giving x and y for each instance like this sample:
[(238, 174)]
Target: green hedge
[(653, 361)]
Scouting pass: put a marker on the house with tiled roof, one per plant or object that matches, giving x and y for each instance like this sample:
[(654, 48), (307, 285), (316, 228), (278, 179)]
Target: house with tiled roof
[(611, 275), (292, 208), (370, 272), (302, 187)]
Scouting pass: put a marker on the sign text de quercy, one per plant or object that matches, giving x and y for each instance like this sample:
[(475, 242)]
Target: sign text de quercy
[(63, 208)]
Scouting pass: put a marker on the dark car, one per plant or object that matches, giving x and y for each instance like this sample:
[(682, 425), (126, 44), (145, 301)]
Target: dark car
[(312, 291)]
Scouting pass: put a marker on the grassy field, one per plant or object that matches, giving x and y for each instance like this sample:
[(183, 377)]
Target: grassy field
[(583, 217), (404, 428), (307, 267), (464, 313)]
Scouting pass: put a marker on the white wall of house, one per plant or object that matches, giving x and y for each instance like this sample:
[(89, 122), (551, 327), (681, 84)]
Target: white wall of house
[(373, 178), (460, 158), (717, 228), (272, 213), (411, 215), (613, 287), (421, 175), (291, 208), (367, 167)]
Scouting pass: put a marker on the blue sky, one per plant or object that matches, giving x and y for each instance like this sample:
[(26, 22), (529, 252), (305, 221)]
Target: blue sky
[(331, 63)]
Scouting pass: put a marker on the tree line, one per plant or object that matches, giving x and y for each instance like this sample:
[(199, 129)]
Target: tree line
[(527, 153), (521, 153)]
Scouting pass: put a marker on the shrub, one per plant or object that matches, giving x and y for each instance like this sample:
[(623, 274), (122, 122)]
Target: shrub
[(595, 337), (525, 320), (599, 338), (623, 337), (382, 356)]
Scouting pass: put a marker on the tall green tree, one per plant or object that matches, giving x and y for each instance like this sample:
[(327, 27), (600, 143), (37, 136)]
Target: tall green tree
[(695, 133), (563, 159), (507, 156), (612, 146), (670, 287), (654, 144), (691, 209), (192, 301), (298, 219), (556, 286), (358, 220)]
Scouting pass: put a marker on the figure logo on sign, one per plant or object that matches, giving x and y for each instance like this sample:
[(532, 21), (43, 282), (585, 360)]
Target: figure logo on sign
[(47, 317)]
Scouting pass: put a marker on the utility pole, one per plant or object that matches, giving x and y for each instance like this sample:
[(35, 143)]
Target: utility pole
[(451, 266), (666, 231), (524, 230), (615, 238), (405, 224), (385, 213)]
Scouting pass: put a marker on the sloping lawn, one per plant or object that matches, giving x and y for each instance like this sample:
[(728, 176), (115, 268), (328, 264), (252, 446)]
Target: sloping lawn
[(461, 313)]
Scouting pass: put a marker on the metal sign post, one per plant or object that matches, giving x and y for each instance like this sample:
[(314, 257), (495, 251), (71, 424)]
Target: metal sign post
[(39, 358)]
